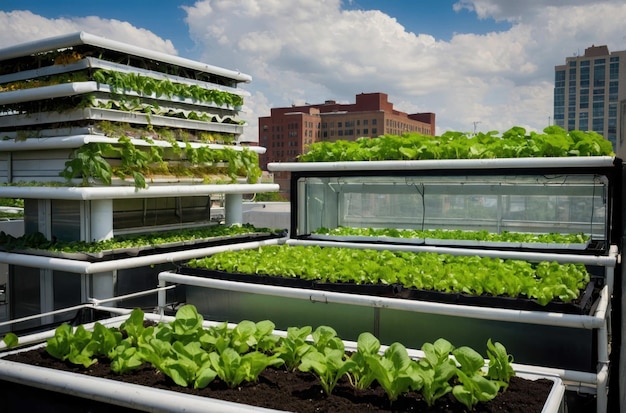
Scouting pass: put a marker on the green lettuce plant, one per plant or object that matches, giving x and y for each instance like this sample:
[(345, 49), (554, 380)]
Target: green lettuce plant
[(474, 387)]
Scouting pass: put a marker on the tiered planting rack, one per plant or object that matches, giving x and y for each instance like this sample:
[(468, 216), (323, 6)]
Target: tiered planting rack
[(104, 139)]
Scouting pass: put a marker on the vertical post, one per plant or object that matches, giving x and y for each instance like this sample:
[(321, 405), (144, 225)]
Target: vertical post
[(100, 220), (103, 285), (233, 209)]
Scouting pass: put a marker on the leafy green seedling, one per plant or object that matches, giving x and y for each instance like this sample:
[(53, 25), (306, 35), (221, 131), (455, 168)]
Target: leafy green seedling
[(474, 387), (395, 371), (499, 362), (326, 337), (329, 365), (133, 326), (436, 369), (294, 346), (361, 374), (10, 340), (234, 368), (125, 358)]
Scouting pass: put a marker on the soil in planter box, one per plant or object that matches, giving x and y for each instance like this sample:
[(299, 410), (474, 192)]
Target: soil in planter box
[(298, 392)]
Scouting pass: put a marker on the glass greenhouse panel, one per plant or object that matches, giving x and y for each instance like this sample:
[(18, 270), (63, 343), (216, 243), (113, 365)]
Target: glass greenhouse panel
[(537, 203)]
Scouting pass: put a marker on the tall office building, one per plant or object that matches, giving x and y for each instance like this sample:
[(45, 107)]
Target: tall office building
[(590, 94), (289, 130)]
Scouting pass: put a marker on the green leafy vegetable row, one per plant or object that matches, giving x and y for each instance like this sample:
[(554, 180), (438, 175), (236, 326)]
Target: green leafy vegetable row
[(39, 241), (89, 162), (514, 143), (452, 234), (543, 281), (195, 356), (122, 82)]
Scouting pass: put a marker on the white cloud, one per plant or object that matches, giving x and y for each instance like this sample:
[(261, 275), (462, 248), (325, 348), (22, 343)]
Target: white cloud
[(23, 26), (314, 50)]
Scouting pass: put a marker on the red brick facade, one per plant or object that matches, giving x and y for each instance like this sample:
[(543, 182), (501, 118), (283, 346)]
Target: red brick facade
[(288, 131)]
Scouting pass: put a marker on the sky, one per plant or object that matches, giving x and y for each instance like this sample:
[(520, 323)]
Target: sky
[(479, 65)]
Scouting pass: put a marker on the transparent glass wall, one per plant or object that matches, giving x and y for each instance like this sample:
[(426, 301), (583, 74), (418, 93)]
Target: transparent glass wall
[(538, 203)]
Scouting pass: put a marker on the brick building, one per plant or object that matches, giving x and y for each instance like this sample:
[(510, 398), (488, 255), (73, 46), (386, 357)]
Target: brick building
[(288, 131)]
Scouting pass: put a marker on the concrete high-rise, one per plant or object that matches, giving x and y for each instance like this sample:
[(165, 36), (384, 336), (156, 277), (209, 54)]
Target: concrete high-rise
[(590, 94)]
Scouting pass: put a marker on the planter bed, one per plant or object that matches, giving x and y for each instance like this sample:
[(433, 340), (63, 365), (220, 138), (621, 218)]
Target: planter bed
[(425, 276), (469, 239), (149, 249), (155, 243), (275, 389), (581, 306), (144, 387)]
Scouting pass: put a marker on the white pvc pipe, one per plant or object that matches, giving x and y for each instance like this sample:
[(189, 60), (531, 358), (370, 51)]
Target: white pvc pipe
[(499, 163), (85, 267), (484, 313), (76, 141), (117, 393), (601, 260), (47, 92), (121, 192), (74, 39)]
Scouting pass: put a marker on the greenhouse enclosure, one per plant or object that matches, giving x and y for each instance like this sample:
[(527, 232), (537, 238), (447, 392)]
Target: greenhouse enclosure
[(104, 140)]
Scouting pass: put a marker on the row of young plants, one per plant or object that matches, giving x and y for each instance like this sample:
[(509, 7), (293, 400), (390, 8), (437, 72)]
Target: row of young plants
[(513, 143), (127, 104), (457, 234), (193, 356), (122, 129), (121, 83), (542, 281), (90, 163), (38, 241)]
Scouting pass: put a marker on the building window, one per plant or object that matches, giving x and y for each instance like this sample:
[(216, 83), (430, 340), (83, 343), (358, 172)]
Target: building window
[(583, 124), (598, 110), (365, 131), (598, 125), (599, 76), (572, 75), (373, 121), (365, 122), (613, 89), (339, 124), (559, 78), (584, 102), (374, 131), (584, 76)]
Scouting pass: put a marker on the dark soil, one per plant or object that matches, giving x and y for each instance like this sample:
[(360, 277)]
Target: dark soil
[(301, 392)]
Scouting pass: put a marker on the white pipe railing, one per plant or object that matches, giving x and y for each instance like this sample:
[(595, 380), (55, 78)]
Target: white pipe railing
[(117, 393), (484, 313), (123, 192), (462, 164), (93, 304)]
